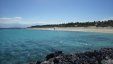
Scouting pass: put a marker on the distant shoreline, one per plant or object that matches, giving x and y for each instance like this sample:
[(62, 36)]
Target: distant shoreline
[(82, 29)]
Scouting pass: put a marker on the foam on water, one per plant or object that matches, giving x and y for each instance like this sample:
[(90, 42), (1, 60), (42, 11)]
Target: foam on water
[(20, 46)]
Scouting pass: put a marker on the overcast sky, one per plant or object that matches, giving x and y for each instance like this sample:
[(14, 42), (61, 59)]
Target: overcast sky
[(23, 13)]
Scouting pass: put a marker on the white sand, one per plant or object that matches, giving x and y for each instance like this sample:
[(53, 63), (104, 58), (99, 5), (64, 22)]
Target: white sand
[(83, 29)]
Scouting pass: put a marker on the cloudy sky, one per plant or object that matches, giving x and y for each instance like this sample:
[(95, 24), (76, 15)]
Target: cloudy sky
[(23, 13)]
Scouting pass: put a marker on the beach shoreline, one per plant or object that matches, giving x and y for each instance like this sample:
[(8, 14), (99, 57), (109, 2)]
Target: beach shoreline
[(81, 29)]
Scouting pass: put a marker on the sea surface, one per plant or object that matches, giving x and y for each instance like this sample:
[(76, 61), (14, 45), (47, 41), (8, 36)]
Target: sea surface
[(23, 46)]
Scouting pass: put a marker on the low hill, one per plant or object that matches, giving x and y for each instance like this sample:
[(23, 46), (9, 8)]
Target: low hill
[(108, 23)]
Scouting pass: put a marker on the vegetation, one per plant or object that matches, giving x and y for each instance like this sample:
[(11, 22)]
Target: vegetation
[(108, 23)]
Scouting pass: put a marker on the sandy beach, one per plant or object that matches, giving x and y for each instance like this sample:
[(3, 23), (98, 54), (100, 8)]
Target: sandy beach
[(83, 29)]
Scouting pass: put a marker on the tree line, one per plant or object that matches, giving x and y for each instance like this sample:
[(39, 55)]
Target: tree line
[(108, 23)]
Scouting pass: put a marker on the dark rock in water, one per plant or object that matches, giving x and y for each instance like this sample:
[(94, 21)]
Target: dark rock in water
[(38, 62), (101, 56), (50, 56), (58, 52)]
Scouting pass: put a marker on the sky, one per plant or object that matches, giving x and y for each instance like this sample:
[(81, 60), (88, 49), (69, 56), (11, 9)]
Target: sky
[(24, 13)]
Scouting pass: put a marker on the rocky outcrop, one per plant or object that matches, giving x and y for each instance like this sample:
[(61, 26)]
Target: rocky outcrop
[(101, 56)]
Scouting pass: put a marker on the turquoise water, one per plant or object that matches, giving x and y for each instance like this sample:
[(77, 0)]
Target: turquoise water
[(21, 46)]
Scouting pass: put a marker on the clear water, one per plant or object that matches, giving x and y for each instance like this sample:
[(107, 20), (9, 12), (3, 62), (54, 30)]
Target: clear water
[(21, 46)]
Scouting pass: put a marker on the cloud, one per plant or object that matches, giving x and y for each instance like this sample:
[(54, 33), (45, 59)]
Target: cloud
[(6, 22), (15, 22), (18, 17)]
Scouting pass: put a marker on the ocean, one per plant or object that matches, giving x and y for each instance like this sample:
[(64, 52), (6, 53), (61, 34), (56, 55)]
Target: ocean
[(23, 46)]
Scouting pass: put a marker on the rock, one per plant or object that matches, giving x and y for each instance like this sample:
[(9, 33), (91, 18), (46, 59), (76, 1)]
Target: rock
[(56, 61), (45, 62), (109, 61), (38, 62), (102, 56), (50, 56)]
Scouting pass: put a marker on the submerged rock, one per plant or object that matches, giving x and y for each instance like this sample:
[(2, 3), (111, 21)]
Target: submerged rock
[(101, 56), (52, 55)]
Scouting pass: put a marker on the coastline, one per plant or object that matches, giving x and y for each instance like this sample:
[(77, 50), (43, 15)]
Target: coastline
[(82, 29)]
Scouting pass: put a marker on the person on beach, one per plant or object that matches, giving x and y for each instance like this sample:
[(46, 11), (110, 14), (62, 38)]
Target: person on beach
[(54, 28)]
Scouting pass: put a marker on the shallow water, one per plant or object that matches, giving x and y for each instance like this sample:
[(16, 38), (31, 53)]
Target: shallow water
[(21, 46)]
